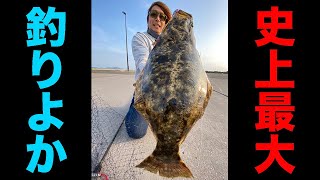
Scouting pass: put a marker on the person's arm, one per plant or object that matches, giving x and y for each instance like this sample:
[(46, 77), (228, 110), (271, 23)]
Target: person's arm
[(140, 51)]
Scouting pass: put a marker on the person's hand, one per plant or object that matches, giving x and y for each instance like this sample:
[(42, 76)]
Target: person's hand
[(156, 41)]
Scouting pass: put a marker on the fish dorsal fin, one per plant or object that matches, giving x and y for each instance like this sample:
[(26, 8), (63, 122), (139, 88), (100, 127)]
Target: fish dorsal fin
[(209, 92), (139, 103), (138, 97)]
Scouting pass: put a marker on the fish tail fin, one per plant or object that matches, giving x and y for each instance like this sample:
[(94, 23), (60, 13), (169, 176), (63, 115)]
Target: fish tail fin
[(165, 168)]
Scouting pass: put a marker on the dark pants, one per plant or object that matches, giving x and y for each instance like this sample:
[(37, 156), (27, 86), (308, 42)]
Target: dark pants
[(135, 124)]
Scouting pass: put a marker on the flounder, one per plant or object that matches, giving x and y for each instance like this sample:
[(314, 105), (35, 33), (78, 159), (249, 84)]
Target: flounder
[(172, 93)]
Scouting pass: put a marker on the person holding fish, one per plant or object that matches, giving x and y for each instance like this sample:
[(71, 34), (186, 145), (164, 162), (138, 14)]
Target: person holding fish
[(158, 16), (172, 93)]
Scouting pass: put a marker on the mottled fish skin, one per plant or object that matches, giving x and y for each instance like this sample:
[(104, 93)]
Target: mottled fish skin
[(172, 93)]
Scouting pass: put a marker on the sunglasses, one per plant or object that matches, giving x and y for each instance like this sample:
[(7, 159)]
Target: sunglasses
[(154, 14)]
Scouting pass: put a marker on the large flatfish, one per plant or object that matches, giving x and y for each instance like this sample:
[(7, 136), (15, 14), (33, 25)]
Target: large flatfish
[(172, 93)]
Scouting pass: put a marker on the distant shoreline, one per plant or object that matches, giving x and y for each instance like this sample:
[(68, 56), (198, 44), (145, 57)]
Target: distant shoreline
[(116, 71), (124, 71)]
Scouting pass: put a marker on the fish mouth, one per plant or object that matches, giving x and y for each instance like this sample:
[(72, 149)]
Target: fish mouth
[(182, 13)]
